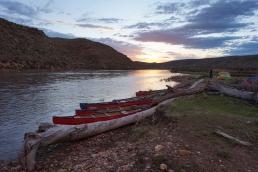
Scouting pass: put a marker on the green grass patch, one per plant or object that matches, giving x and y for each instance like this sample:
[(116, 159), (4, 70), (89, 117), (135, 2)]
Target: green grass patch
[(213, 105), (203, 113)]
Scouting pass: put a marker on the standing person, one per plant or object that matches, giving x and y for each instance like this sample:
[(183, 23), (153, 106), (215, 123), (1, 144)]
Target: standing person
[(211, 73)]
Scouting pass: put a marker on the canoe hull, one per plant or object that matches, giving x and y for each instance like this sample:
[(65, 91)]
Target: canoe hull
[(77, 120), (115, 103)]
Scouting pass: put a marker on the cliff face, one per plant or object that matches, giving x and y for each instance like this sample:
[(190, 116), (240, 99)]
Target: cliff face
[(25, 48)]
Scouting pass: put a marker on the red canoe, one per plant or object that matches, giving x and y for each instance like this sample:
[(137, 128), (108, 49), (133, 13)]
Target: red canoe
[(114, 107), (95, 116), (115, 103)]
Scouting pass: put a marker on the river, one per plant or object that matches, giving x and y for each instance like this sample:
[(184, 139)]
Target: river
[(29, 98)]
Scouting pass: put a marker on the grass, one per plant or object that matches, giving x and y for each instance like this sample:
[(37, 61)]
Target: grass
[(203, 113), (192, 121), (213, 105)]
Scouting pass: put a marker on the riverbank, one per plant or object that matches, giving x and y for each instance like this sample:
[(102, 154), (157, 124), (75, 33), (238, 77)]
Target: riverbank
[(182, 140)]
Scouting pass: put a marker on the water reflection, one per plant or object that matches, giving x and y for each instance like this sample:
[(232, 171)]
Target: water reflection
[(26, 99)]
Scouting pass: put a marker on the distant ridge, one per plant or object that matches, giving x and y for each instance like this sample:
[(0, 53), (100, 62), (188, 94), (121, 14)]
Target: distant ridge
[(239, 63), (26, 48)]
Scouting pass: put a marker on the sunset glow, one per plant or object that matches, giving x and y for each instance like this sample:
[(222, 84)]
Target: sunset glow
[(147, 30)]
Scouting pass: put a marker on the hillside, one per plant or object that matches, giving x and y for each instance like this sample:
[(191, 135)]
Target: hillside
[(240, 63), (25, 48)]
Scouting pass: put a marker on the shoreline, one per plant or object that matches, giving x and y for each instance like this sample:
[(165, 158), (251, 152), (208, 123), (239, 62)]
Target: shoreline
[(146, 145), (166, 143), (71, 71)]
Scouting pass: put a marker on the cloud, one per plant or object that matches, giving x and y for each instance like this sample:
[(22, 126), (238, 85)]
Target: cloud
[(197, 3), (170, 8), (86, 18), (21, 13), (54, 34), (129, 49), (14, 7), (226, 10), (46, 8), (109, 20), (177, 37), (221, 17), (245, 49), (93, 26), (18, 20), (144, 25)]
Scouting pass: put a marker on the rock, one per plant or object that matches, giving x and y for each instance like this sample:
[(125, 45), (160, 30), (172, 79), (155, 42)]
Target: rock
[(158, 148), (184, 152), (16, 168), (130, 148), (148, 166), (163, 167), (94, 155), (125, 168), (44, 126), (187, 146), (248, 122), (61, 170)]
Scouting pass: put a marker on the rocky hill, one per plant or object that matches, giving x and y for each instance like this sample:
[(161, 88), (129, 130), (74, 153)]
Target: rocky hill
[(25, 48)]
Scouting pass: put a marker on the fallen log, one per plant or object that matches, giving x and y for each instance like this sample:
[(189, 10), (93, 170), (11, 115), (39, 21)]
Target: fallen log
[(52, 134), (236, 140), (245, 95)]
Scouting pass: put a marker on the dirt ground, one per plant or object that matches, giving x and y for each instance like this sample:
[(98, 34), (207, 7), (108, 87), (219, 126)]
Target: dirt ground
[(177, 141)]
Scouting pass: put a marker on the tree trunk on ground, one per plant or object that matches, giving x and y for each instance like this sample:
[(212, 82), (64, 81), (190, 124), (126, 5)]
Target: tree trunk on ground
[(236, 140), (51, 134), (246, 95)]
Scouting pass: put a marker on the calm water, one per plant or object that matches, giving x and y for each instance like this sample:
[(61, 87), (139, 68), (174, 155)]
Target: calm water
[(27, 99)]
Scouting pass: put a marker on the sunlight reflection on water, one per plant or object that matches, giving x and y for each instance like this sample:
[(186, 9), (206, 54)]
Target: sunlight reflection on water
[(27, 99)]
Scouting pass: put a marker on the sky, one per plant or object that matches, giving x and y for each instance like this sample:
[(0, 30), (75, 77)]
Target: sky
[(147, 30)]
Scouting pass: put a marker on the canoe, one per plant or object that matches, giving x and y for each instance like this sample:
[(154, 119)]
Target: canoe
[(61, 133), (114, 108), (96, 116), (99, 112), (154, 92), (150, 92), (115, 103)]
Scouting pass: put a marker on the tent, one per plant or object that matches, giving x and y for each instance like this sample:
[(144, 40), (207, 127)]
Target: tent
[(224, 75)]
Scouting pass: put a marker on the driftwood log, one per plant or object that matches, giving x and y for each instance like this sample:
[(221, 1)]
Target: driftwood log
[(234, 139), (245, 95), (50, 134)]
